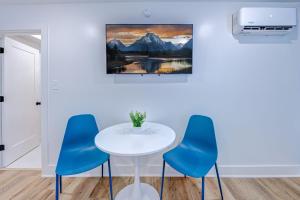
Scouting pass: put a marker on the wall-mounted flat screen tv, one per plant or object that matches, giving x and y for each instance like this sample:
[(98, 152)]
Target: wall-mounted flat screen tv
[(149, 48)]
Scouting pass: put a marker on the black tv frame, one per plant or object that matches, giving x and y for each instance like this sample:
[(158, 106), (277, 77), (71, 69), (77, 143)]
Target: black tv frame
[(148, 73)]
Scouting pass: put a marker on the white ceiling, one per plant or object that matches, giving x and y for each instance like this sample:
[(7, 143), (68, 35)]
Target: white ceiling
[(90, 1)]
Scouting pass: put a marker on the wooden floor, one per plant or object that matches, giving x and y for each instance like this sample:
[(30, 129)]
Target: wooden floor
[(23, 185)]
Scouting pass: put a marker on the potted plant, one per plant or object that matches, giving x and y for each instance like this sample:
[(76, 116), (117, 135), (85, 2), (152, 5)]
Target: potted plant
[(137, 118)]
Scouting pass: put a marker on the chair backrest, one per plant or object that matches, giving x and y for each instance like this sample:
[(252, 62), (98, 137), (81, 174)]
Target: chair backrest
[(81, 129), (200, 132)]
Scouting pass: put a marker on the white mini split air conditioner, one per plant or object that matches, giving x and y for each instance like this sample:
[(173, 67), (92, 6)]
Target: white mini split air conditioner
[(264, 21)]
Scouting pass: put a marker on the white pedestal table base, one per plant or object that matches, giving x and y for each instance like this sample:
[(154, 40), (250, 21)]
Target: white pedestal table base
[(147, 193), (138, 190)]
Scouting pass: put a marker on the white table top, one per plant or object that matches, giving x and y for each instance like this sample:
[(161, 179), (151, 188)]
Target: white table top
[(124, 140)]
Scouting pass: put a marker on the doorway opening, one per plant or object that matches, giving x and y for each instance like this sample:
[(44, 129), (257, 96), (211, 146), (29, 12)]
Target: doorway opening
[(20, 114)]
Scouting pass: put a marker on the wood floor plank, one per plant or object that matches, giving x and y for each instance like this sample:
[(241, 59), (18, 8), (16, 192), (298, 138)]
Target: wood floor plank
[(29, 185)]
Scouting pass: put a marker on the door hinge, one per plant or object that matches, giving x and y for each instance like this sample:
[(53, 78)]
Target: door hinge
[(1, 50), (2, 147), (1, 98)]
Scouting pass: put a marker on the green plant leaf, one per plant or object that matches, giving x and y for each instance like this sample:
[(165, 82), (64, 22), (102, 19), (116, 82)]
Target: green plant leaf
[(137, 118)]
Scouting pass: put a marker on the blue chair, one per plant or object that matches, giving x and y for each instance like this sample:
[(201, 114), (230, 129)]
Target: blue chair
[(196, 154), (78, 152)]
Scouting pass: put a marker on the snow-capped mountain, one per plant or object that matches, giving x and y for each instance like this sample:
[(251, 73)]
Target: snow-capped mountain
[(179, 46), (116, 44), (151, 38), (188, 45), (151, 42)]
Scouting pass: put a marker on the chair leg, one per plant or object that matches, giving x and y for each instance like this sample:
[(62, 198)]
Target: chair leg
[(203, 187), (60, 184), (110, 180), (162, 181), (102, 170), (219, 181), (56, 187)]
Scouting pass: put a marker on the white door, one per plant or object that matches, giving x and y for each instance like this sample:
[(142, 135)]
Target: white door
[(20, 114)]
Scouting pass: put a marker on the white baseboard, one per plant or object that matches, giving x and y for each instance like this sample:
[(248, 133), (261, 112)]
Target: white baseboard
[(260, 170), (224, 170)]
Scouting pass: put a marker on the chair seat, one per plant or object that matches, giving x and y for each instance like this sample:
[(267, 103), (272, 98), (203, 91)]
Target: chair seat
[(79, 159), (190, 161)]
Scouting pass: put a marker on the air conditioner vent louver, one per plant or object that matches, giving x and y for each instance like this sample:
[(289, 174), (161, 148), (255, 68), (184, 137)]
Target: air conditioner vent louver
[(267, 28), (264, 21), (281, 28)]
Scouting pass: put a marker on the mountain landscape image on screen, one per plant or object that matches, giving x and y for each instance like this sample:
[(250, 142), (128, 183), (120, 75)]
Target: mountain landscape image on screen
[(152, 49)]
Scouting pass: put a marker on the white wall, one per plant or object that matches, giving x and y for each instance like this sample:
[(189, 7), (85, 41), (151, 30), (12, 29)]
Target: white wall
[(250, 87)]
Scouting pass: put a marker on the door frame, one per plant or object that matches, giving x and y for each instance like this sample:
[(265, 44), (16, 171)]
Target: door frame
[(44, 88)]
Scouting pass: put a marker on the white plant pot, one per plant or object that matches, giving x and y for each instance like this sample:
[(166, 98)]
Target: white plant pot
[(137, 130)]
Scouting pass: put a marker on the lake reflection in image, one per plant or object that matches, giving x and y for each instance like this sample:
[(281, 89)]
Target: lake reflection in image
[(144, 64)]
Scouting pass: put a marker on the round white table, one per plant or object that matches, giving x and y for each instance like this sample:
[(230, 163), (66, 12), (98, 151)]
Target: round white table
[(124, 140)]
